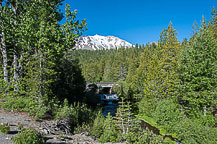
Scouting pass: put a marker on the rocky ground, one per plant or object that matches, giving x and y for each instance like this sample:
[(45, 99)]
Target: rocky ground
[(14, 118)]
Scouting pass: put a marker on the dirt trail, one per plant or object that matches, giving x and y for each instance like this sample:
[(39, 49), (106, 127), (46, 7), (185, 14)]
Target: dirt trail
[(13, 118)]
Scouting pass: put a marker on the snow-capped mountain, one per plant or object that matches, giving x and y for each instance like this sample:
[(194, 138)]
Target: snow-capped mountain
[(98, 42)]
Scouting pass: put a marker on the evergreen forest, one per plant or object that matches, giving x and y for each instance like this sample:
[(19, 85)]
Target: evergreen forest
[(167, 90)]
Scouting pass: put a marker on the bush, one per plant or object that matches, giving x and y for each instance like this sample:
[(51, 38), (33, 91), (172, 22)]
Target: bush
[(84, 128), (47, 111), (149, 137), (29, 136), (167, 114), (110, 132), (5, 128), (146, 107), (19, 103), (77, 114), (192, 131), (98, 124), (30, 105)]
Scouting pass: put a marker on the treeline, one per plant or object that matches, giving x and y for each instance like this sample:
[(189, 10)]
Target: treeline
[(171, 84), (107, 65)]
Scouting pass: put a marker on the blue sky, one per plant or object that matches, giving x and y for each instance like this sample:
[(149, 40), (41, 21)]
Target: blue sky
[(141, 21)]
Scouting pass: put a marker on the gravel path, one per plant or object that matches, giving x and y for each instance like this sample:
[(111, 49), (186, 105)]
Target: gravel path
[(13, 118)]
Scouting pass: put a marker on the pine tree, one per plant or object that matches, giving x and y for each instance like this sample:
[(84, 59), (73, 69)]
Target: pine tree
[(198, 73), (168, 58), (137, 80), (213, 22), (124, 117)]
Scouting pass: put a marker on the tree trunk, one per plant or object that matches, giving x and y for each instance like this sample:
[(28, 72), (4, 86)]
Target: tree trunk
[(3, 47), (15, 62), (16, 74), (4, 56), (41, 93)]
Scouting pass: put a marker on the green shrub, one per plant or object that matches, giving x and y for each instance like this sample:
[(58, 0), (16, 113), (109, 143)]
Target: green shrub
[(29, 136), (20, 126), (208, 120), (84, 128), (77, 114), (30, 105), (19, 103), (193, 132), (5, 128), (110, 132), (167, 114), (146, 107), (135, 131), (97, 129), (149, 137)]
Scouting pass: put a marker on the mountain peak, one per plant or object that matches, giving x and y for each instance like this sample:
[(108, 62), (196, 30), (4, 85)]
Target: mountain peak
[(98, 42)]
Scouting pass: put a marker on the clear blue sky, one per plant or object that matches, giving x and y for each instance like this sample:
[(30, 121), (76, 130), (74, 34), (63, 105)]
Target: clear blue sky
[(141, 21)]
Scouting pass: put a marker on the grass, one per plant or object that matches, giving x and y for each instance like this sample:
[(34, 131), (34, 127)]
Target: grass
[(5, 128)]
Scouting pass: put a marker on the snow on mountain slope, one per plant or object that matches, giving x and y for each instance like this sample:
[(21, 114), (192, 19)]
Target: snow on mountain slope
[(98, 42)]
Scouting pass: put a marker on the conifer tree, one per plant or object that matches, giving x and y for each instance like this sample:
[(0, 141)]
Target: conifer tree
[(161, 73), (169, 50), (198, 73), (137, 80), (124, 117), (213, 22)]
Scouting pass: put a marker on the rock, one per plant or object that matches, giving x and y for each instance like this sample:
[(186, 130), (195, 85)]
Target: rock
[(64, 126), (45, 131)]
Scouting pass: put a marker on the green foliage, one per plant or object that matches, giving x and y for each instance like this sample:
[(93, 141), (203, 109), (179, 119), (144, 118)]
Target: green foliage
[(28, 136), (70, 83), (134, 132), (19, 104), (5, 128), (42, 70), (20, 126), (170, 121), (91, 98), (124, 117), (197, 80), (98, 125), (162, 67), (167, 114), (192, 131), (77, 114), (3, 86), (149, 138), (146, 106), (110, 131), (106, 65), (30, 105), (83, 128), (34, 54)]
